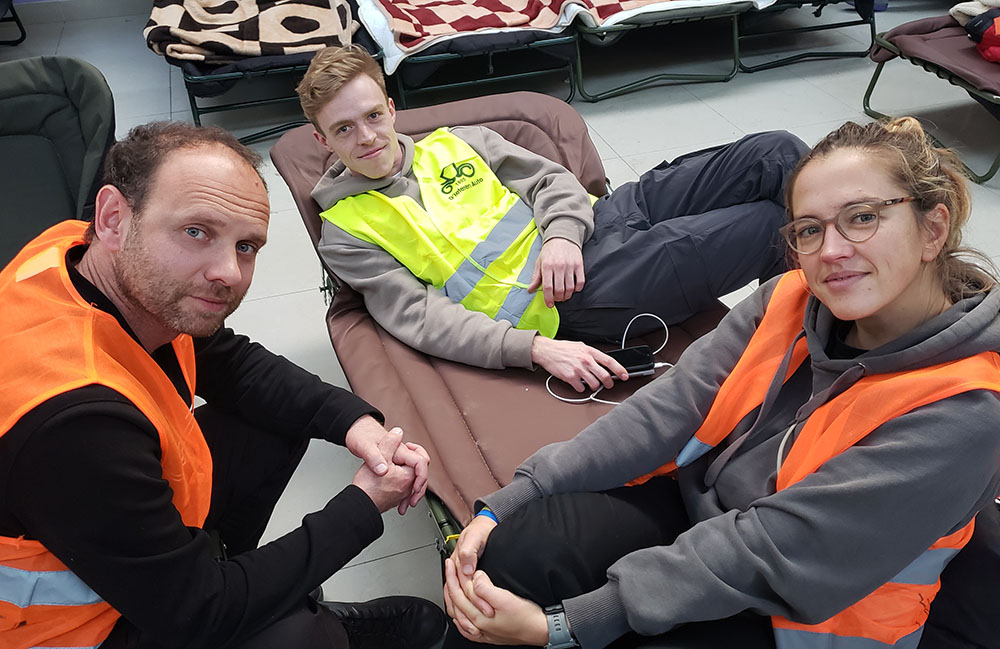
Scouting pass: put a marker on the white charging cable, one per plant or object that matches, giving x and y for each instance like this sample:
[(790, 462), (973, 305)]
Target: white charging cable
[(593, 395)]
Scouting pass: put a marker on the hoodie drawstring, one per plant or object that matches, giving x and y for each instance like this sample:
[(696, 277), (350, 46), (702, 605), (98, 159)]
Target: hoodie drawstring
[(847, 378)]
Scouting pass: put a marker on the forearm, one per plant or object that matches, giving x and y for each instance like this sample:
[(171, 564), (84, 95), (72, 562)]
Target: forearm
[(117, 527), (272, 392), (559, 202), (200, 602), (809, 551), (418, 314), (649, 428)]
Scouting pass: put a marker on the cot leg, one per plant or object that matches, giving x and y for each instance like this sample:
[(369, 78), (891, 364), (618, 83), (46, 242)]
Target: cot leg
[(866, 102), (871, 112), (195, 109), (20, 28), (666, 76)]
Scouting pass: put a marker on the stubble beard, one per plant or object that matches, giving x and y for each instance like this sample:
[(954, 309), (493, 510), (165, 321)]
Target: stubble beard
[(143, 284)]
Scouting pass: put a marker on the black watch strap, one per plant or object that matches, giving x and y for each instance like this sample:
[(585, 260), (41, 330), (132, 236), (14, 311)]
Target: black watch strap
[(559, 634)]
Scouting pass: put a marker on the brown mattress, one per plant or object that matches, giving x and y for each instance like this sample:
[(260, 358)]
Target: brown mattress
[(942, 41), (477, 424)]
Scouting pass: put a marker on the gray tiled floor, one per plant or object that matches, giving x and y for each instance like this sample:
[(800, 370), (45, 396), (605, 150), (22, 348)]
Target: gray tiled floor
[(285, 311)]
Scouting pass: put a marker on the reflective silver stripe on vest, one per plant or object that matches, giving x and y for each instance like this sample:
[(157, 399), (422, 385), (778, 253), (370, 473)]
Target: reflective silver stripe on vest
[(504, 233), (693, 450), (24, 588), (926, 568), (518, 299), (799, 639)]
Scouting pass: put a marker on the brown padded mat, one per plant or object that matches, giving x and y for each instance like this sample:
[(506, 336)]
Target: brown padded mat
[(476, 424), (942, 41)]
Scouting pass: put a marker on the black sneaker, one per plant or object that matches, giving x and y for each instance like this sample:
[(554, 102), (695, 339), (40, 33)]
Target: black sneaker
[(398, 622)]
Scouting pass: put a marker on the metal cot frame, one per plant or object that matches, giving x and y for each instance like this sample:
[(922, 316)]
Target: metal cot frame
[(942, 73)]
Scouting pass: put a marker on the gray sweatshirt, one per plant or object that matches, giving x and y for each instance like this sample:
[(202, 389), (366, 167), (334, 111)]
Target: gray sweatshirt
[(810, 550), (417, 313)]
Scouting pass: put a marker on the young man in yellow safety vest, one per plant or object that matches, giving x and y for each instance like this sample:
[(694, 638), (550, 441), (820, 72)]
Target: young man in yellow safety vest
[(449, 239)]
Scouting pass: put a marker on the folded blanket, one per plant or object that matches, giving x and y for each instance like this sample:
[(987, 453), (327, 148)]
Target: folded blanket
[(224, 31), (416, 20), (963, 12)]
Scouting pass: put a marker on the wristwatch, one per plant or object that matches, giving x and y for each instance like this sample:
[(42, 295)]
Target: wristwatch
[(559, 633)]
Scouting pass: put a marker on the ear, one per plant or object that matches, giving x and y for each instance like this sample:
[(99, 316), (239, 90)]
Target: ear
[(321, 139), (112, 217), (936, 226), (392, 110)]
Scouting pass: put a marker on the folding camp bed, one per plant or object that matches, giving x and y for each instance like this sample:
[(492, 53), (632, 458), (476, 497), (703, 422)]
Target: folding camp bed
[(9, 15), (414, 34), (865, 10), (477, 424), (473, 42), (941, 46), (244, 42)]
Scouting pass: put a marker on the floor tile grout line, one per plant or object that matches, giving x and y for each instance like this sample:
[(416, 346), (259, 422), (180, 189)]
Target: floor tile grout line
[(391, 555), (287, 294)]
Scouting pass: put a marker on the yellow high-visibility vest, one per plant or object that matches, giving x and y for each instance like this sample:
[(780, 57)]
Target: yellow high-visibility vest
[(473, 239)]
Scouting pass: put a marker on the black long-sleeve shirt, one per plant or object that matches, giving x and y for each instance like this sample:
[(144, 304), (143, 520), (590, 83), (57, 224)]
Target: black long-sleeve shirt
[(81, 474)]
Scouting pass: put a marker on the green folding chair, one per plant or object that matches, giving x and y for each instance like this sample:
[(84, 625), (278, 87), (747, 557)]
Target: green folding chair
[(57, 119)]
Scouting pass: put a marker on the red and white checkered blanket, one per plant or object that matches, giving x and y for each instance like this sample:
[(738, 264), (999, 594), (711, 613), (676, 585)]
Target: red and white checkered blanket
[(404, 27), (416, 20)]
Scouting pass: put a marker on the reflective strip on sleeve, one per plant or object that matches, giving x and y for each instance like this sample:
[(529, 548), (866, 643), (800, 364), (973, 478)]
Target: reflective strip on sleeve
[(693, 450)]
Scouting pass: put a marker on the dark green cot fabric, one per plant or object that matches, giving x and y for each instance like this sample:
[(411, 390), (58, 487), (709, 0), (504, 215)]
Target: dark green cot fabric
[(56, 124)]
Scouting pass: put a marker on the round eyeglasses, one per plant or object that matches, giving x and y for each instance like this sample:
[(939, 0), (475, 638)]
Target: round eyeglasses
[(856, 223)]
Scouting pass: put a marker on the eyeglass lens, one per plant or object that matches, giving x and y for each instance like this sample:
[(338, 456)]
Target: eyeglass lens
[(855, 223)]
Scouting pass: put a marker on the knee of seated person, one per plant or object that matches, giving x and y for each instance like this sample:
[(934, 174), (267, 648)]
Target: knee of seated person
[(539, 565), (307, 625), (781, 145)]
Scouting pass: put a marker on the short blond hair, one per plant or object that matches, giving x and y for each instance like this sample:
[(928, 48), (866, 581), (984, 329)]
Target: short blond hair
[(331, 68)]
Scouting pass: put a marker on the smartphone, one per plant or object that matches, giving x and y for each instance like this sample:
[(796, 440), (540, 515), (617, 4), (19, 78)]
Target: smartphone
[(637, 361)]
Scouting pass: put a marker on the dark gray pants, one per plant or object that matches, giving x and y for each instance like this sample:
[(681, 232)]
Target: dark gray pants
[(250, 469), (561, 546), (685, 233)]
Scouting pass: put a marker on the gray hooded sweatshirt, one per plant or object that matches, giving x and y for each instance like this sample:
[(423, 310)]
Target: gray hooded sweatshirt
[(810, 550), (417, 313)]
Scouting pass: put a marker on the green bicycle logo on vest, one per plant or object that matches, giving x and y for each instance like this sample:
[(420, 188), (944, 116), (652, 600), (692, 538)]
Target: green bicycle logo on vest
[(454, 173)]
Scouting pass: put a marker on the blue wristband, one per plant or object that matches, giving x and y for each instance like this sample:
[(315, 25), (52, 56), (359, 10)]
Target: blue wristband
[(485, 511)]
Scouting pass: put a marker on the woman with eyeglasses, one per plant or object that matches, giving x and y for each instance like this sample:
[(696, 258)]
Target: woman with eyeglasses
[(804, 474)]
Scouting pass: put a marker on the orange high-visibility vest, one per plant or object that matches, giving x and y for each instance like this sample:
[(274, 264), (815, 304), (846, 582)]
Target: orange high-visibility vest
[(894, 614), (52, 341)]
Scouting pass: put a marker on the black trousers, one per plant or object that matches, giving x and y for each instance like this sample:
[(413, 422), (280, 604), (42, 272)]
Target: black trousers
[(966, 613), (561, 546), (687, 232), (251, 468)]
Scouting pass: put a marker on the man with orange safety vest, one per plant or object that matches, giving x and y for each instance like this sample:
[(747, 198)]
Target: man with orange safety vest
[(129, 518)]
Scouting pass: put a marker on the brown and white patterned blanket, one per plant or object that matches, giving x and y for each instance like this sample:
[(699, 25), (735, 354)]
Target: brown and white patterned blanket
[(224, 31)]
